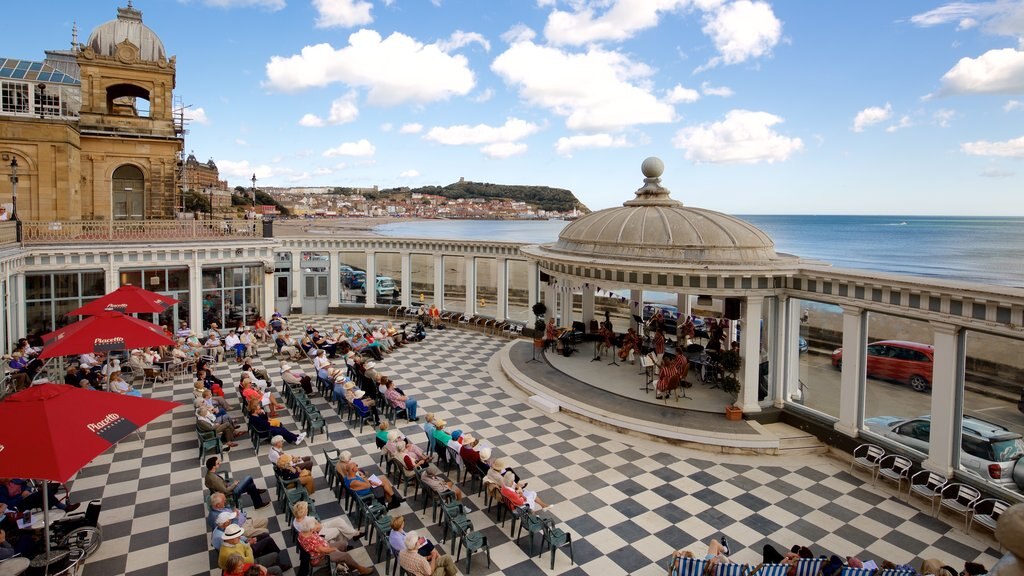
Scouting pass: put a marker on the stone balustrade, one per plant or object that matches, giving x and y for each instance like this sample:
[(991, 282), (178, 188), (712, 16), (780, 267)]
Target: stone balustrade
[(106, 231)]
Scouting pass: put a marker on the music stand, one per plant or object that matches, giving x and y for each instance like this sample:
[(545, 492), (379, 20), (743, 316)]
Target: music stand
[(648, 362), (542, 346), (597, 356), (614, 356)]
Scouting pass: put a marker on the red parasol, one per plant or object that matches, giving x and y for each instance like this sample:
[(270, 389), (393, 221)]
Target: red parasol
[(51, 431), (128, 299), (104, 332)]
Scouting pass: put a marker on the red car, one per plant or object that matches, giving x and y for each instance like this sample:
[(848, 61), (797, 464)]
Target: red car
[(897, 360)]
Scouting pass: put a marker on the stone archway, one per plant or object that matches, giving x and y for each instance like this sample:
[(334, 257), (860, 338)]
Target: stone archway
[(128, 190)]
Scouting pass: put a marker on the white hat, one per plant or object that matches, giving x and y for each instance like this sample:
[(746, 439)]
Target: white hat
[(286, 366), (485, 454), (369, 365), (224, 517), (348, 385), (360, 393), (233, 531)]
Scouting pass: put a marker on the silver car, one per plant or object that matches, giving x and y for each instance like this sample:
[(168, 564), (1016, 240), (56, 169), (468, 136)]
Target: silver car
[(986, 449)]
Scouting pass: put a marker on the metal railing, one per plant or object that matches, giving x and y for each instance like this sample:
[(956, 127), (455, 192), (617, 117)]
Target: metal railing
[(62, 232)]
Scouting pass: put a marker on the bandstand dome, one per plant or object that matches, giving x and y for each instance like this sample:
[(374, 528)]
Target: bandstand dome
[(655, 227), (128, 25)]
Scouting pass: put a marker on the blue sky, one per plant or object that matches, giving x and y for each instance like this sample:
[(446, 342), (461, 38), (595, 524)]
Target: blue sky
[(790, 107)]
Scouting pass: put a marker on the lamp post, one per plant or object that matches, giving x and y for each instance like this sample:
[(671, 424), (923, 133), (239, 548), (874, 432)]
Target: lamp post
[(14, 198), (254, 194)]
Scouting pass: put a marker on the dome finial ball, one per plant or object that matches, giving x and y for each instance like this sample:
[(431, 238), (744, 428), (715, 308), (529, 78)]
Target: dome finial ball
[(652, 167)]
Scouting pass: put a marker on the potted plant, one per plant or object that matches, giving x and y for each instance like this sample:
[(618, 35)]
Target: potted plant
[(730, 362), (539, 309)]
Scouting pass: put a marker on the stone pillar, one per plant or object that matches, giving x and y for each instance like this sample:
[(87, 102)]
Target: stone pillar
[(111, 277), (636, 306), (333, 280), (532, 279), (501, 310), (550, 300), (406, 279), (195, 290), (588, 305), (470, 308), (683, 304), (851, 395), (267, 307), (439, 281), (19, 322), (297, 286), (787, 355), (947, 396), (750, 351), (371, 279)]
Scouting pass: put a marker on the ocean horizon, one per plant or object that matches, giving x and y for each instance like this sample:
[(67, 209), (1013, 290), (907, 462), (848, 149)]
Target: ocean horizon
[(984, 249)]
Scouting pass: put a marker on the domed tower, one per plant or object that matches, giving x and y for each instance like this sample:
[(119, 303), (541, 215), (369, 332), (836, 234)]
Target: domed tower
[(130, 142)]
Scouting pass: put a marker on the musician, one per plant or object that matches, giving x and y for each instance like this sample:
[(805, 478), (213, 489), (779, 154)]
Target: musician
[(686, 332), (606, 337), (630, 344), (669, 368), (659, 345), (657, 321), (550, 334)]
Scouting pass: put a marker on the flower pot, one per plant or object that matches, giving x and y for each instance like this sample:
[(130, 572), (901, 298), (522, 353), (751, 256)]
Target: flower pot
[(733, 413)]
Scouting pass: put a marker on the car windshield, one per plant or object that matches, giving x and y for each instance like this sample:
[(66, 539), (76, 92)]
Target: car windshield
[(1006, 450)]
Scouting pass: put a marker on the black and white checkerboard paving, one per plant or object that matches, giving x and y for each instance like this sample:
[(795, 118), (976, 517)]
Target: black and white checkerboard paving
[(627, 501)]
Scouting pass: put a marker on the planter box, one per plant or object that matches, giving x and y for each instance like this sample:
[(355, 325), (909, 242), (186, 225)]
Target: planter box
[(733, 413)]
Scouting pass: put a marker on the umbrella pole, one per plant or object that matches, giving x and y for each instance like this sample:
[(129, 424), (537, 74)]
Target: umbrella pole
[(46, 525)]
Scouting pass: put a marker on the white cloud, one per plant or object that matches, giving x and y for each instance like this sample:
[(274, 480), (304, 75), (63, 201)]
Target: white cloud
[(744, 137), (596, 90), (459, 39), (311, 121), (1008, 148), (680, 95), (484, 96), (994, 72), (1000, 17), (231, 169), (271, 5), (742, 30), (709, 90), (360, 148), (409, 174), (343, 110), (903, 123), (412, 128), (993, 172), (197, 115), (872, 115), (503, 149), (518, 33), (622, 20), (1012, 105), (396, 70), (567, 145), (943, 117), (322, 172), (462, 134), (342, 13)]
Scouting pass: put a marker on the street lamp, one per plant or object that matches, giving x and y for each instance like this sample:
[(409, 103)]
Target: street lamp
[(14, 188), (254, 193)]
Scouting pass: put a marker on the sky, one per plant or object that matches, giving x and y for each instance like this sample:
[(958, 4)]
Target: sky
[(755, 107)]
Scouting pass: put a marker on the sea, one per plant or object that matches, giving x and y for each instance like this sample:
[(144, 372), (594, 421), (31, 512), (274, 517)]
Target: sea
[(988, 250)]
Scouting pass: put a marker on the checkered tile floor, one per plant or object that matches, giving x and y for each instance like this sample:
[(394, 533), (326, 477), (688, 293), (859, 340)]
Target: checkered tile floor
[(628, 502)]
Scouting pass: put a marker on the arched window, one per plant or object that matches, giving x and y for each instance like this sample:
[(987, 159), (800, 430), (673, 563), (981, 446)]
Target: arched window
[(129, 194), (128, 100)]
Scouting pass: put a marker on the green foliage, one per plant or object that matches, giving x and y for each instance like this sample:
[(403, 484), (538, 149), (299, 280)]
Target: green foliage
[(243, 197), (539, 309), (730, 362), (196, 202), (543, 197)]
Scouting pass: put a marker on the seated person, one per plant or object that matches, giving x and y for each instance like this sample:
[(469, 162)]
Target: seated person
[(214, 346), (277, 450), (381, 436), (330, 528), (365, 405), (416, 565), (469, 454), (294, 376), (319, 549), (215, 483), (206, 422), (219, 505), (249, 393), (361, 484), (397, 540), (718, 553), (260, 541), (233, 343), (260, 422), (19, 494), (399, 400), (411, 461), (256, 372), (232, 545), (519, 497), (290, 473), (118, 385), (204, 395)]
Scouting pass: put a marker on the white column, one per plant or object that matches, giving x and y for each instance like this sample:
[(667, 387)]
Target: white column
[(636, 306), (750, 351), (5, 297), (851, 394), (195, 289), (267, 307), (371, 278), (19, 324), (111, 277), (788, 354), (532, 278), (588, 305), (333, 280), (947, 409), (406, 279), (439, 281), (501, 312), (550, 299), (683, 304), (470, 308), (297, 286)]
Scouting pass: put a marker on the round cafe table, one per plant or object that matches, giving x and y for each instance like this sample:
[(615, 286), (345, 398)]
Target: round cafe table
[(14, 566)]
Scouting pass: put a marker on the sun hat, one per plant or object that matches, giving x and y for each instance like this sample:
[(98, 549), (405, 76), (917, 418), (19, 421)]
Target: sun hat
[(223, 517), (467, 439), (438, 422), (348, 385), (233, 531), (370, 365), (286, 366), (485, 454), (360, 393)]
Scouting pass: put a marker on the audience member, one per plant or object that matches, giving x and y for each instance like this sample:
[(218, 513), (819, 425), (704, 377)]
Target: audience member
[(319, 549), (217, 484), (416, 565)]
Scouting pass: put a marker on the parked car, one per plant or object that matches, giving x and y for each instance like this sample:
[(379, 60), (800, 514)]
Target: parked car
[(668, 312), (385, 287), (897, 360), (355, 280), (803, 345), (986, 449), (344, 272)]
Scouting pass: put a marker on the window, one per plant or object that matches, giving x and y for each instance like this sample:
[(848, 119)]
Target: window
[(918, 430), (976, 447), (14, 98)]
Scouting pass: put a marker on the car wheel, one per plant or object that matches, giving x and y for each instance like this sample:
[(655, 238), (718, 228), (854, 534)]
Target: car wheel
[(839, 365), (918, 383)]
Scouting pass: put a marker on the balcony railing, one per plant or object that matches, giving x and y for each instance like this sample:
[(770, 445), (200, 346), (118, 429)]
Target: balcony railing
[(35, 232)]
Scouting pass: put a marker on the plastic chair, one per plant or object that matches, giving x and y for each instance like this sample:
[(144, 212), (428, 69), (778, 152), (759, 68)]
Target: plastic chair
[(533, 525), (331, 466), (209, 442), (867, 456), (927, 485), (472, 541), (553, 539)]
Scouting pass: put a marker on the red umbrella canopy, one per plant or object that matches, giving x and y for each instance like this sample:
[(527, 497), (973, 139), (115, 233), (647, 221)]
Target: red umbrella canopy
[(104, 332), (128, 299), (51, 431)]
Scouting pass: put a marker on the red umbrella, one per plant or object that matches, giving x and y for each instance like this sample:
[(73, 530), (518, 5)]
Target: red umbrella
[(128, 299), (51, 431), (104, 332)]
